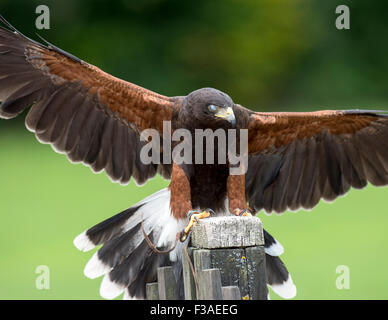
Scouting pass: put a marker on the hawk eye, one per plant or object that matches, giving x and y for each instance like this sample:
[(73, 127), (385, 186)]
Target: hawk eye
[(212, 108)]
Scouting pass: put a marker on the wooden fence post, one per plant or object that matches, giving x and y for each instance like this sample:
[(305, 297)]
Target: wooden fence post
[(228, 257)]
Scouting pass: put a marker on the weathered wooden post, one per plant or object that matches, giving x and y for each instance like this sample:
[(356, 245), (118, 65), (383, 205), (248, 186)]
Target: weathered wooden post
[(228, 258)]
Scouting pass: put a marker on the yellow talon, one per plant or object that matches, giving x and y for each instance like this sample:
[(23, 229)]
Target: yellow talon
[(195, 217)]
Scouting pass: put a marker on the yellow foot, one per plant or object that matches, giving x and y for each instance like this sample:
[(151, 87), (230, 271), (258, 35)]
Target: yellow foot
[(242, 213), (194, 217)]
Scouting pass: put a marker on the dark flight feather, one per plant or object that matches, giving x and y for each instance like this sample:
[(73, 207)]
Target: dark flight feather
[(82, 111), (323, 154), (59, 50)]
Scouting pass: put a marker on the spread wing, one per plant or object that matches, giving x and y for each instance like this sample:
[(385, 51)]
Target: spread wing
[(295, 159), (80, 110)]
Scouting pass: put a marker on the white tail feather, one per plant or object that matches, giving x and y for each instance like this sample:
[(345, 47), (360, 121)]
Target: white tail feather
[(286, 290)]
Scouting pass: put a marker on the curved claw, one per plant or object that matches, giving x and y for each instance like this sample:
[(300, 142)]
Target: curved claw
[(194, 217), (183, 236)]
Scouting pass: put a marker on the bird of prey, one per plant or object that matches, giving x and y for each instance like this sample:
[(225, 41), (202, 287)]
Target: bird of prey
[(294, 159)]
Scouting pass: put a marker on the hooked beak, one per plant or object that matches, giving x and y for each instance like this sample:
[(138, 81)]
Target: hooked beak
[(228, 115)]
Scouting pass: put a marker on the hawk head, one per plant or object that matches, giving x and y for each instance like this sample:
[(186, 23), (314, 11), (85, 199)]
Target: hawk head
[(210, 108)]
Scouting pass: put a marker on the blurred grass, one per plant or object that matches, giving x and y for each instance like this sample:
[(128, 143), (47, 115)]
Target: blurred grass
[(46, 202)]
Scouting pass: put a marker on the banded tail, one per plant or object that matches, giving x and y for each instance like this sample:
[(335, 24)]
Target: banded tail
[(278, 277)]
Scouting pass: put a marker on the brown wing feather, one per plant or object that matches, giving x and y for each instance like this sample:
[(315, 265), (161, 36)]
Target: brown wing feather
[(309, 156), (276, 129), (145, 108), (80, 110)]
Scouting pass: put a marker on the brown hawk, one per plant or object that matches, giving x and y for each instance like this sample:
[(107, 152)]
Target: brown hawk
[(294, 159)]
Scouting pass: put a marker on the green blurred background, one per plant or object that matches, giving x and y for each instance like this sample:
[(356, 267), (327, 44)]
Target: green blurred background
[(267, 55)]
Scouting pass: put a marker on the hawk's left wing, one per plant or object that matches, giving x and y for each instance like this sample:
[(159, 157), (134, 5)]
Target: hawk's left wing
[(295, 159), (80, 110)]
